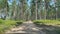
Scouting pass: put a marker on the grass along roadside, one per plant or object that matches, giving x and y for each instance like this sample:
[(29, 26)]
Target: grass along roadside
[(47, 22), (7, 24), (50, 26)]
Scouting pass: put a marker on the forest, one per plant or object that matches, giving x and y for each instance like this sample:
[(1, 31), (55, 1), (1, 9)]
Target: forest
[(29, 9), (36, 13)]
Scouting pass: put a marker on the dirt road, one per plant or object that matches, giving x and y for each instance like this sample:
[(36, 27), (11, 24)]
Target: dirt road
[(30, 28)]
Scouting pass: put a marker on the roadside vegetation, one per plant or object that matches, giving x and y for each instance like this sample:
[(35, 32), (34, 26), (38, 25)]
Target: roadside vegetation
[(47, 22), (7, 24), (49, 25)]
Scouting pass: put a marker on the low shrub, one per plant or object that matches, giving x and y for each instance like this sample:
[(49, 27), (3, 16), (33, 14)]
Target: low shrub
[(38, 22), (47, 22), (18, 23)]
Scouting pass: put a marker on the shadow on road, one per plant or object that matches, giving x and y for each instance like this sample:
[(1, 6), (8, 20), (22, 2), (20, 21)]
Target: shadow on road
[(49, 29)]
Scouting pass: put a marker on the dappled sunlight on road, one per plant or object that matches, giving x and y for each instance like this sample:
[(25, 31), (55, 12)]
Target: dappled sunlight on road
[(30, 28)]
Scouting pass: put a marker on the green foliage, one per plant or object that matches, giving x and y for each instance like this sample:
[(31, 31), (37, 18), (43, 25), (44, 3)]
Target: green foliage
[(51, 23), (1, 30), (1, 21), (37, 22), (47, 22), (18, 23), (7, 24)]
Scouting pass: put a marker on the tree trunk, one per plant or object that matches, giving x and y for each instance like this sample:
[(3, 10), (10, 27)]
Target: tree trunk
[(36, 10)]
